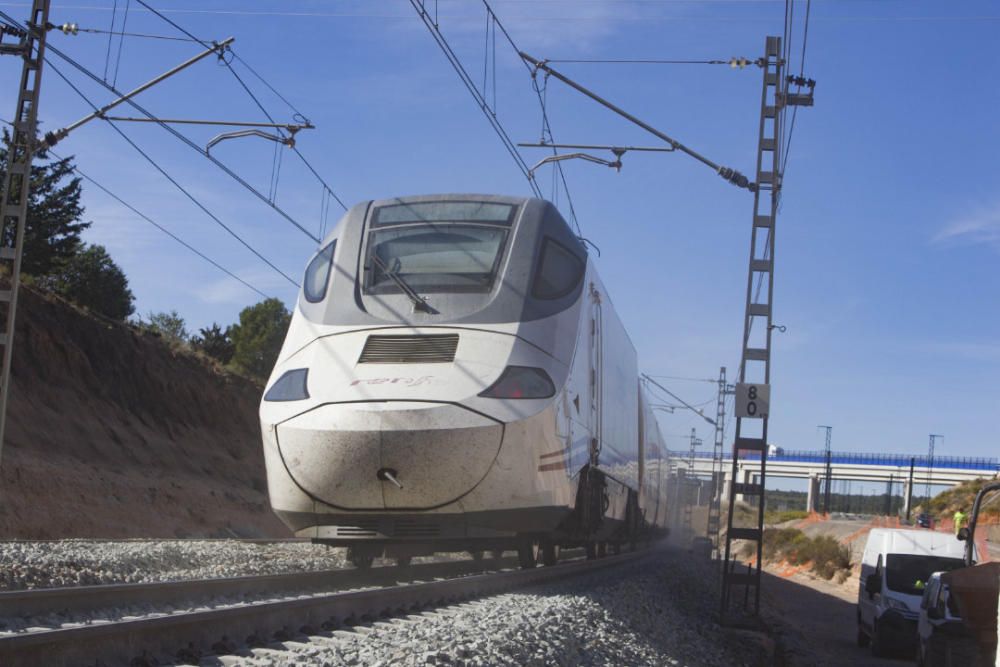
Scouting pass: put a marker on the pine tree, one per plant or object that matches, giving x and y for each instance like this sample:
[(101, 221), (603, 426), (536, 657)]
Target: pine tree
[(91, 279), (54, 221), (258, 337)]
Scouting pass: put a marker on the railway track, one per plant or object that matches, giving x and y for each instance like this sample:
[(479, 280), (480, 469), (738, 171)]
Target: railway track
[(285, 608)]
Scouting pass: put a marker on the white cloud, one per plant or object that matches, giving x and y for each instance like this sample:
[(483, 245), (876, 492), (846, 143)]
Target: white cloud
[(980, 226), (228, 291)]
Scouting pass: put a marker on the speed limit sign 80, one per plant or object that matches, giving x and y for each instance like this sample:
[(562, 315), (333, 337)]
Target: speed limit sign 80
[(753, 401)]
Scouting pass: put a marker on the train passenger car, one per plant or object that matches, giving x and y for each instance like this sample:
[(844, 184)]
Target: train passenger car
[(456, 378)]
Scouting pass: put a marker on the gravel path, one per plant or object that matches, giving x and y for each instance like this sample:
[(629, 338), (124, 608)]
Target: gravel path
[(87, 562), (656, 613)]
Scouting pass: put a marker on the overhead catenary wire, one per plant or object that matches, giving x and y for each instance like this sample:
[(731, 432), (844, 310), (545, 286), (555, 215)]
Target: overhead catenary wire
[(111, 32), (191, 144), (170, 178), (677, 398), (256, 100), (121, 43), (802, 67), (163, 229), (627, 61), (295, 149), (542, 102), (484, 106), (148, 219), (852, 18), (141, 35), (167, 232)]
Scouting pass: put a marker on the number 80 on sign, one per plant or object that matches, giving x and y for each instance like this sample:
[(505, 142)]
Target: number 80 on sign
[(753, 401)]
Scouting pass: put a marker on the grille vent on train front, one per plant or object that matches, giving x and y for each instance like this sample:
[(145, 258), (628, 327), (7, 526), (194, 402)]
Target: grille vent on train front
[(431, 349)]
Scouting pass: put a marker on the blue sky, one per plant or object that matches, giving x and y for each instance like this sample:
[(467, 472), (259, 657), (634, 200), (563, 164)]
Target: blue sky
[(889, 234)]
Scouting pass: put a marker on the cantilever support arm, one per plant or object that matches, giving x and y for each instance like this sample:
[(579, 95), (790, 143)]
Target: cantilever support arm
[(614, 164), (52, 138), (288, 141), (679, 399), (731, 175)]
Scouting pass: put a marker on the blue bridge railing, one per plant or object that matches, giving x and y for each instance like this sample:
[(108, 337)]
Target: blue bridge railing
[(989, 464)]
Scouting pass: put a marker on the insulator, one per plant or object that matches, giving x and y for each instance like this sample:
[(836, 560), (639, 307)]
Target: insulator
[(734, 177), (70, 28)]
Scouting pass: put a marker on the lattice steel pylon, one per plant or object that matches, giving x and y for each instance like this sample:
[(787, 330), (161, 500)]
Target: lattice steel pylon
[(752, 400), (930, 463), (690, 482), (715, 504), (17, 180), (828, 474)]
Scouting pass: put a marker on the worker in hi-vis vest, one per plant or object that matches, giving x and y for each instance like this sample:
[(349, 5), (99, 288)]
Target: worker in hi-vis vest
[(960, 519)]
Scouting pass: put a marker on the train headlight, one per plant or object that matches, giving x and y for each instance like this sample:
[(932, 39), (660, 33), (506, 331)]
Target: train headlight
[(290, 387), (521, 382)]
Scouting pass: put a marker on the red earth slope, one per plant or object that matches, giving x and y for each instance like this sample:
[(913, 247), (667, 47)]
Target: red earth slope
[(113, 433)]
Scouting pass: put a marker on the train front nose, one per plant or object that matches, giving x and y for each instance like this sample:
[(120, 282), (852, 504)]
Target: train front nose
[(437, 452)]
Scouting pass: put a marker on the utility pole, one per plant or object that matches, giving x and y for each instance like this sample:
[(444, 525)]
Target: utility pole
[(718, 481), (829, 469), (17, 180), (930, 462)]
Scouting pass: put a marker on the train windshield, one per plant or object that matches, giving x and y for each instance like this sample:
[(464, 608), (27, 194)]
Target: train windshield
[(436, 246)]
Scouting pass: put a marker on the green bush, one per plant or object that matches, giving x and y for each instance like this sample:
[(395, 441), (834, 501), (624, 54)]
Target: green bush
[(827, 555)]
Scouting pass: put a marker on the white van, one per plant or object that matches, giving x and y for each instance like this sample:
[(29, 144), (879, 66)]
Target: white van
[(895, 569)]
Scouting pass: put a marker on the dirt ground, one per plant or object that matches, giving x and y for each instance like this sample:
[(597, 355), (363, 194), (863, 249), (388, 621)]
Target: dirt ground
[(113, 433), (817, 619), (818, 622)]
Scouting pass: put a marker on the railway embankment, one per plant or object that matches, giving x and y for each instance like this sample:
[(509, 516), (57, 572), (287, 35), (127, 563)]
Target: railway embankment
[(113, 433), (653, 607)]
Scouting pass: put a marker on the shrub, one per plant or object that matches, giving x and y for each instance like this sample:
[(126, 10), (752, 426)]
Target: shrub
[(170, 326), (215, 342), (827, 555)]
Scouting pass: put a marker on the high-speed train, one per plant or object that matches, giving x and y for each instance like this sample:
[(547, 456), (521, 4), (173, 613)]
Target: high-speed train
[(455, 378)]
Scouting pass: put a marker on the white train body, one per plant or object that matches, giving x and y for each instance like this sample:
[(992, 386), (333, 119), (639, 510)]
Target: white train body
[(456, 377)]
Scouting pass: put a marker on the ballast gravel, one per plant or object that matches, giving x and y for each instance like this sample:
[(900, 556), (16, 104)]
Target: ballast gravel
[(657, 613), (90, 562)]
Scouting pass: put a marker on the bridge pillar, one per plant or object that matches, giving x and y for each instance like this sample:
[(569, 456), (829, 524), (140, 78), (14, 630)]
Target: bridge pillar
[(812, 496), (906, 499), (727, 487), (746, 477)]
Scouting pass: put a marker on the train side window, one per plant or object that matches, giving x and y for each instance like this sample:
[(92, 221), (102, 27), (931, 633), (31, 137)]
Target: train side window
[(318, 274), (559, 272)]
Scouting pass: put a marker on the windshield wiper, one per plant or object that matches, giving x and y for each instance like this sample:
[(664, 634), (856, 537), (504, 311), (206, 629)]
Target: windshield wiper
[(419, 302)]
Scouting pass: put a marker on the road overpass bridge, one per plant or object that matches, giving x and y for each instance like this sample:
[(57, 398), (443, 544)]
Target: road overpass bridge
[(811, 465)]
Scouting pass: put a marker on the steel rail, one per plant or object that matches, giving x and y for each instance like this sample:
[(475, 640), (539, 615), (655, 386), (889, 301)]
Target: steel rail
[(191, 592), (198, 633)]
